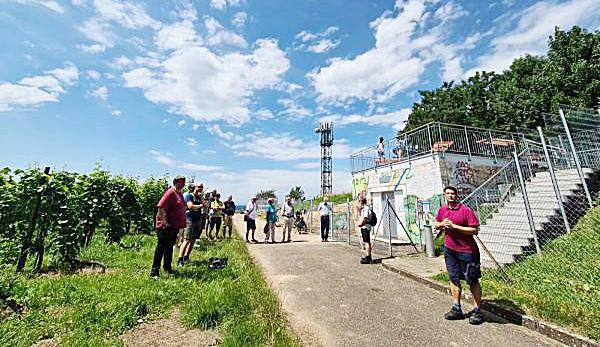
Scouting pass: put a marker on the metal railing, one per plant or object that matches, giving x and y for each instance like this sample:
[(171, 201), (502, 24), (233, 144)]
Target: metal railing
[(439, 138)]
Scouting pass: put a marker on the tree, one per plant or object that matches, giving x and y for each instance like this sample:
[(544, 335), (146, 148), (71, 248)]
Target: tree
[(297, 193), (265, 194)]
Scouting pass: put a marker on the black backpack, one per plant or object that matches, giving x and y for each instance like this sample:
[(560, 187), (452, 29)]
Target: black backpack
[(372, 218)]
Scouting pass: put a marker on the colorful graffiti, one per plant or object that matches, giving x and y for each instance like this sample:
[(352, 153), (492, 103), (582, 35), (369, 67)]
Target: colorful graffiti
[(413, 213), (359, 184), (394, 178), (466, 176)]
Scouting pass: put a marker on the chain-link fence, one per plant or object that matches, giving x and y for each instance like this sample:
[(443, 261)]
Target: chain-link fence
[(530, 247)]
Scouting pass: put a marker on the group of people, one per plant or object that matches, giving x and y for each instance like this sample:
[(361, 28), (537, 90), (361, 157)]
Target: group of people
[(196, 211), (188, 215)]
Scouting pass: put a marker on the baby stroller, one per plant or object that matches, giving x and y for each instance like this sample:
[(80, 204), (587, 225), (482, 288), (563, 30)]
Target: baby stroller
[(300, 223)]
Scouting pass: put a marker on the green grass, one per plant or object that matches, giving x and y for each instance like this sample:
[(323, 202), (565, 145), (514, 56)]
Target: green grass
[(335, 199), (560, 285), (95, 309)]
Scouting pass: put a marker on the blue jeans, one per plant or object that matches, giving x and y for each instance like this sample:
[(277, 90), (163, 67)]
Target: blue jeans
[(324, 227)]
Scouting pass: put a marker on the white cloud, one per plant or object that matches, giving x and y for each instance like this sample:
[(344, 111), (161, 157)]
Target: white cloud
[(396, 119), (196, 127), (162, 158), (126, 14), (218, 35), (449, 11), (101, 93), (209, 151), (181, 123), (239, 20), (284, 147), (168, 160), (199, 167), (36, 90), (93, 48), (191, 142), (177, 35), (215, 129), (222, 4), (535, 24), (263, 114), (317, 42), (293, 110), (399, 57), (306, 166), (93, 74), (209, 87), (51, 5), (244, 184), (116, 113)]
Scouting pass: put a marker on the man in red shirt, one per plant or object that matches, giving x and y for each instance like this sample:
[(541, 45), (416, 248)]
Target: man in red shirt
[(460, 252), (169, 219)]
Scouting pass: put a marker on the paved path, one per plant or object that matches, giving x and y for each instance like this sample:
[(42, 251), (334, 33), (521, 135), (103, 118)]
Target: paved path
[(332, 300)]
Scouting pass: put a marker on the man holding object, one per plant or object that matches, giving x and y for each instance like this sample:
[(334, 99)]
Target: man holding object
[(461, 253), (169, 219)]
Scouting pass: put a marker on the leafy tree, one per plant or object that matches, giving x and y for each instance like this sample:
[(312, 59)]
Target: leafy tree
[(265, 194), (297, 193), (149, 194)]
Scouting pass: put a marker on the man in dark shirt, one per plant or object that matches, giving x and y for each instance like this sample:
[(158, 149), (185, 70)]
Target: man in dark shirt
[(460, 253), (229, 212), (169, 219)]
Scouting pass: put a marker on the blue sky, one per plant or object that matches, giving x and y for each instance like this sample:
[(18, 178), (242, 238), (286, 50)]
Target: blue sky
[(230, 91)]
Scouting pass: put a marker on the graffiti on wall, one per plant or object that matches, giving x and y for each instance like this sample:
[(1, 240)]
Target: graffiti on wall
[(414, 216), (394, 178), (466, 176), (359, 184)]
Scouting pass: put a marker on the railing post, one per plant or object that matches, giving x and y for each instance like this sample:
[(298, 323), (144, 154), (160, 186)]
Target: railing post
[(443, 151), (430, 140), (575, 157), (554, 181), (390, 226), (467, 140), (526, 202), (492, 143), (349, 219), (528, 159)]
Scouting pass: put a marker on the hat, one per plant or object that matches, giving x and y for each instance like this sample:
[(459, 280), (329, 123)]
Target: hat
[(178, 178)]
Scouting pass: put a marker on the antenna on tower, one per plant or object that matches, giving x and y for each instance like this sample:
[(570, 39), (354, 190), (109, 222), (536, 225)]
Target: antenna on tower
[(326, 131)]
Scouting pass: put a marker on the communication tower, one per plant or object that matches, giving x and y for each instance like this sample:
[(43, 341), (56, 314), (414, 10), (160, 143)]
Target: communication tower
[(326, 131)]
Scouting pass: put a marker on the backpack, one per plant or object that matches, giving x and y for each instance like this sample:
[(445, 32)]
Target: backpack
[(372, 218)]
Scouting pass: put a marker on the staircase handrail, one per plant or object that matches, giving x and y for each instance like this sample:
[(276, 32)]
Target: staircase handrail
[(476, 191)]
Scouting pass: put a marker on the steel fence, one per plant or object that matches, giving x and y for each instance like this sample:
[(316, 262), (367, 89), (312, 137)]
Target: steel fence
[(439, 138), (529, 208)]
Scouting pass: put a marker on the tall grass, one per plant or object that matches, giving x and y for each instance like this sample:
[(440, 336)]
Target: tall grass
[(96, 309)]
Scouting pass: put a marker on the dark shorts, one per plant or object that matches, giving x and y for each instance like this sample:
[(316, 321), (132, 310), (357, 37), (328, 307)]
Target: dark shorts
[(193, 229), (366, 235), (250, 224), (463, 266)]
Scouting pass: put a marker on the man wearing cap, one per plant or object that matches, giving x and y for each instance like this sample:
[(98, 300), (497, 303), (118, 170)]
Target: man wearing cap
[(194, 222), (250, 218), (287, 210), (169, 219), (216, 218)]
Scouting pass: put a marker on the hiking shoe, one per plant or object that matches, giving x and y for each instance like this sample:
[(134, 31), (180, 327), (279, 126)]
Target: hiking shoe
[(180, 262), (476, 317), (154, 275), (366, 260), (454, 314)]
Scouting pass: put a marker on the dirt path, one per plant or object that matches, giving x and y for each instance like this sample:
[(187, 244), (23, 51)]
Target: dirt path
[(169, 332), (332, 300)]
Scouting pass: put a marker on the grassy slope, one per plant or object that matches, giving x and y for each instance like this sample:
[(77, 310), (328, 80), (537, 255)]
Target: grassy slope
[(562, 284), (94, 310)]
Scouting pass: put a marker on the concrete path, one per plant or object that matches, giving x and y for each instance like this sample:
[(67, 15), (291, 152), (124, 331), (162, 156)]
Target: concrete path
[(332, 300)]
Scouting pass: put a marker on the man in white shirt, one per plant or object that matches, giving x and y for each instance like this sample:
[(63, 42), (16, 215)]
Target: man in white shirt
[(365, 230), (325, 209), (250, 218), (287, 210)]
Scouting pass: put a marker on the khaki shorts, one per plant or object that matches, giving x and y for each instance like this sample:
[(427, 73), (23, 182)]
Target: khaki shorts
[(228, 221)]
